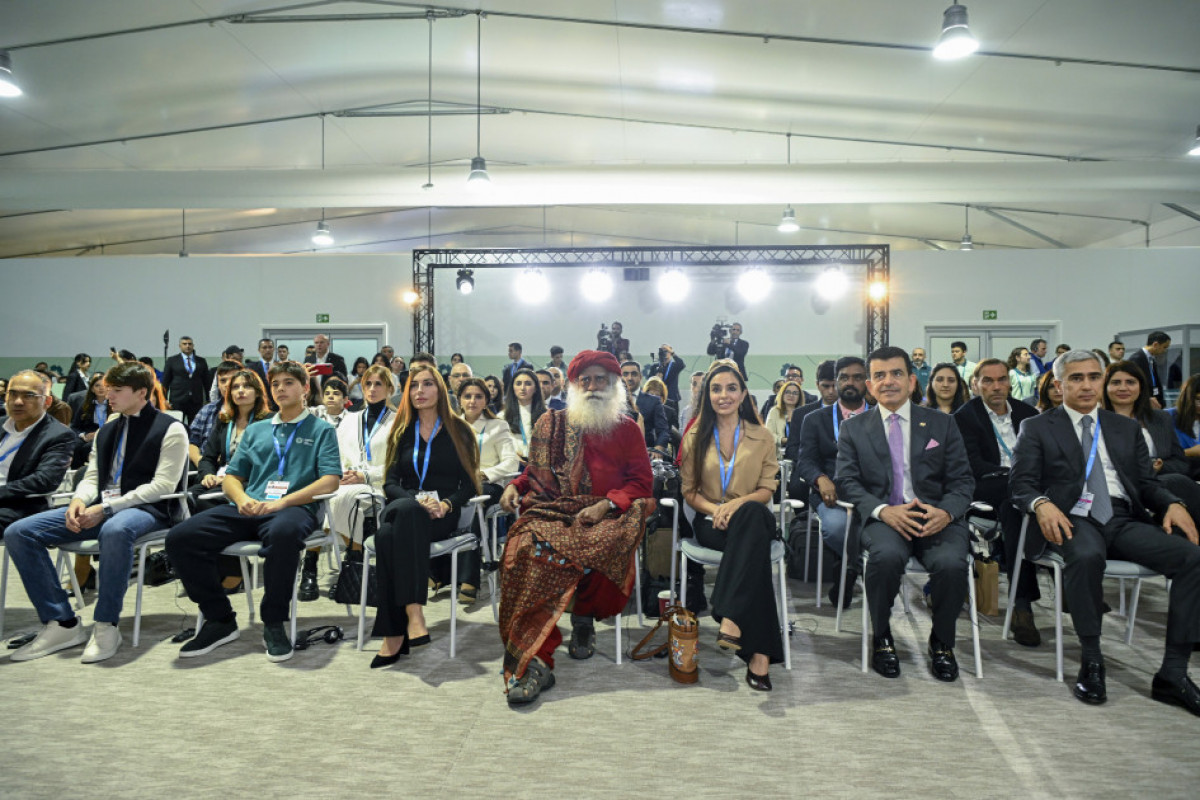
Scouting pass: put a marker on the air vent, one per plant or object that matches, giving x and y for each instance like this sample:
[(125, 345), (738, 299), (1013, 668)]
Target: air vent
[(637, 273)]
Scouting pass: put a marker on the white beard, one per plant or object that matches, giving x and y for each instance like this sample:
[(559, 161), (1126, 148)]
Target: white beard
[(595, 410)]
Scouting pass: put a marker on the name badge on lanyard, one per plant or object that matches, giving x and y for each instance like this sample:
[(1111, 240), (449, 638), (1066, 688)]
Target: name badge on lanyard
[(727, 473), (276, 489), (424, 470), (1083, 506)]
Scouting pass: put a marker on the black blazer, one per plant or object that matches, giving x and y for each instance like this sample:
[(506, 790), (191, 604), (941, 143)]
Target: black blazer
[(736, 350), (75, 383), (941, 474), (1166, 443), (654, 417), (1154, 379), (184, 391), (983, 451), (261, 368), (791, 445), (38, 466), (510, 369), (818, 449), (1049, 461)]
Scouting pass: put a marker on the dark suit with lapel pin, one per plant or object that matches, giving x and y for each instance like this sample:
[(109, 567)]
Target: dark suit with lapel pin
[(941, 476)]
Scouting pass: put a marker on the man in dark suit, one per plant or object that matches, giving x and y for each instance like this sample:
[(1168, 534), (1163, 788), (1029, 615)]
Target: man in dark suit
[(323, 355), (827, 386), (654, 415), (1157, 344), (516, 362), (35, 449), (905, 470), (669, 367), (734, 347), (186, 379), (989, 425), (266, 357), (817, 461), (1085, 474)]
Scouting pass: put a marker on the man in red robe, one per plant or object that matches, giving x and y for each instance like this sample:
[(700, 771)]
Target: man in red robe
[(584, 499)]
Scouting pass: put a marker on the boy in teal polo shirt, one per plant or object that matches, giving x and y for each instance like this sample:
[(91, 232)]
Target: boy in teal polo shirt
[(281, 464)]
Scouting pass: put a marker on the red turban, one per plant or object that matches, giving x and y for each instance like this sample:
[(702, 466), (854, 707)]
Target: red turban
[(592, 358)]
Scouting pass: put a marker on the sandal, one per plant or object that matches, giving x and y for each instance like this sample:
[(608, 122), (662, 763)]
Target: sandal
[(583, 641), (728, 642), (467, 594), (537, 678)]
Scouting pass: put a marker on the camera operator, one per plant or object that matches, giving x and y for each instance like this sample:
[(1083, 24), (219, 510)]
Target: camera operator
[(669, 367), (729, 346), (610, 341)]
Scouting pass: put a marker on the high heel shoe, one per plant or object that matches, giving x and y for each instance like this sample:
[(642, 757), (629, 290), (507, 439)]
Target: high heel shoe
[(729, 642), (759, 683), (378, 662), (418, 641)]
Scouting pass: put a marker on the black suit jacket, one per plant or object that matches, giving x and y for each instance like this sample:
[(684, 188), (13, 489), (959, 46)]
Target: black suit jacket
[(654, 418), (670, 373), (941, 474), (261, 368), (335, 361), (791, 445), (736, 350), (1049, 461), (818, 449), (511, 369), (183, 390), (75, 383), (1153, 378), (983, 451), (1166, 444), (37, 467)]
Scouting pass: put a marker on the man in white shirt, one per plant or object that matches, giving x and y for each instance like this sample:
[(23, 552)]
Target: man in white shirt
[(35, 448), (135, 461)]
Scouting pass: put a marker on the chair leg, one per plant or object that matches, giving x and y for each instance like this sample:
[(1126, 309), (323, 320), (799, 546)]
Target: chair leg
[(1133, 604), (295, 604), (453, 599), (808, 551), (141, 583), (73, 578), (820, 560), (362, 597), (618, 620), (783, 614), (974, 614), (637, 584), (3, 589), (248, 587), (1058, 623), (683, 579), (864, 606)]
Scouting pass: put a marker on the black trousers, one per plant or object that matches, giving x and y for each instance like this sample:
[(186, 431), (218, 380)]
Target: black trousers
[(1125, 538), (469, 562), (944, 556), (402, 561), (194, 547), (995, 492), (744, 590)]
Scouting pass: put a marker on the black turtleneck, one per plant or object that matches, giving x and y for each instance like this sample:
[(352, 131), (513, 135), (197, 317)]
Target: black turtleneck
[(373, 412)]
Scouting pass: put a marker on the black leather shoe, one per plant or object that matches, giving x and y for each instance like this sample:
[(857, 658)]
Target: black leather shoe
[(885, 661), (1024, 632), (1089, 686), (1184, 694), (759, 683), (583, 641), (309, 590), (945, 665)]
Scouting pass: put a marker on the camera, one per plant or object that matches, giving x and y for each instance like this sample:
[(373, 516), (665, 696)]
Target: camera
[(719, 332), (783, 371), (604, 339), (662, 354)]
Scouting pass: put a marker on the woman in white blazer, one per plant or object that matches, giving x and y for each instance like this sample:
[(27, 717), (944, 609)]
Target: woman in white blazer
[(362, 442)]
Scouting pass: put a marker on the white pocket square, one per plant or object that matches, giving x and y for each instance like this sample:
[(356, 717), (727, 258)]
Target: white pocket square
[(932, 444)]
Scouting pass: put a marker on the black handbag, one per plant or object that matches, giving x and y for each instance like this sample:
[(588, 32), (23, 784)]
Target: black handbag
[(348, 589)]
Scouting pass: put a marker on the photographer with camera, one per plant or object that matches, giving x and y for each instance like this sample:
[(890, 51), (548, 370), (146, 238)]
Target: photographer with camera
[(669, 367), (728, 343), (610, 341)]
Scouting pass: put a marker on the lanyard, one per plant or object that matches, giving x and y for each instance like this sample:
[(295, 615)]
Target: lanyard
[(428, 451), (282, 453), (1087, 472), (101, 412), (837, 416), (726, 474), (4, 456), (520, 419), (119, 458), (1000, 439), (367, 435), (667, 371)]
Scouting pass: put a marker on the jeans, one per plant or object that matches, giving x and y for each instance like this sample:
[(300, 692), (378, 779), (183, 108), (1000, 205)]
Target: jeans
[(29, 540), (833, 527)]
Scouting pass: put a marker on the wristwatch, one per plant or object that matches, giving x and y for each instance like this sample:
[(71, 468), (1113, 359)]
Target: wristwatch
[(106, 509)]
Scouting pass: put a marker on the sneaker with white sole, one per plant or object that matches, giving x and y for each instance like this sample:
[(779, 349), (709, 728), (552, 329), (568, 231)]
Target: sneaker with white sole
[(211, 635), (106, 640), (279, 646), (50, 639)]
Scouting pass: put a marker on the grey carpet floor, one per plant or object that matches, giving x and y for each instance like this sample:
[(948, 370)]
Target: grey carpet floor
[(146, 724)]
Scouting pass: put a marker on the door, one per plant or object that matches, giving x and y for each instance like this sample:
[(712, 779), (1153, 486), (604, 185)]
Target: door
[(348, 341), (992, 341)]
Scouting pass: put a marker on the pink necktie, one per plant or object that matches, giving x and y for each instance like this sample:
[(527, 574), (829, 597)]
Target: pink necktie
[(896, 445)]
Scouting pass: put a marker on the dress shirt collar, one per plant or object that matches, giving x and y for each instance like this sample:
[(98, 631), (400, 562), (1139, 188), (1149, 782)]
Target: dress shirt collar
[(1075, 416), (904, 411), (994, 415), (10, 427)]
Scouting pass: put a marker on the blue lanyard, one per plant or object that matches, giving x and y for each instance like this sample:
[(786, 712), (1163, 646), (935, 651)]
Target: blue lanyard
[(667, 371), (101, 412), (4, 456), (428, 451), (367, 435), (837, 417), (1087, 472), (283, 453), (120, 456), (521, 420), (1000, 439), (726, 474)]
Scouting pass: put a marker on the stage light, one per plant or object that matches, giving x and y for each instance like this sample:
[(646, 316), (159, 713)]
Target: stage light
[(788, 223), (754, 284), (410, 297), (465, 281), (673, 285), (322, 237), (597, 286), (877, 291), (832, 283), (956, 40), (532, 286), (8, 84), (1195, 151)]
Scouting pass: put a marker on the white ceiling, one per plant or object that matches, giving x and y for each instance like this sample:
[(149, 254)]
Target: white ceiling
[(629, 122)]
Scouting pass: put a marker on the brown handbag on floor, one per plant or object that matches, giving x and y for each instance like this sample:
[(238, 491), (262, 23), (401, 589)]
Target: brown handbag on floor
[(683, 637), (987, 587)]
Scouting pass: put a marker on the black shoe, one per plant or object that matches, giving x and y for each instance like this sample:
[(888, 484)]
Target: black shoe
[(537, 679), (1089, 686), (1024, 632), (851, 577), (759, 683), (309, 590), (210, 636), (1184, 694), (583, 639), (275, 639), (418, 641), (945, 665), (885, 661)]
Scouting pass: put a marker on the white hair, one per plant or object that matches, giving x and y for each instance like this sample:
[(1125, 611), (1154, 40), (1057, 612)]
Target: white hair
[(596, 410), (1072, 357)]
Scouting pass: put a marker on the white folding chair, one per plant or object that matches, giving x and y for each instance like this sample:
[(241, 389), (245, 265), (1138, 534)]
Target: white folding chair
[(463, 540), (1113, 568), (912, 568), (142, 545)]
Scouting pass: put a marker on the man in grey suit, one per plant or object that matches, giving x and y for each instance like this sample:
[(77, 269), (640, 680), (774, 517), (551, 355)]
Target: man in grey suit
[(905, 469), (1085, 474)]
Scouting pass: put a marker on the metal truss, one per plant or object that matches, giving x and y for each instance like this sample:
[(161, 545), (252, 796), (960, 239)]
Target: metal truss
[(874, 259)]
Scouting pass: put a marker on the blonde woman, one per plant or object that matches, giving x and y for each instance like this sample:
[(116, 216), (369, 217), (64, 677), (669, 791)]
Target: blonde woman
[(788, 399)]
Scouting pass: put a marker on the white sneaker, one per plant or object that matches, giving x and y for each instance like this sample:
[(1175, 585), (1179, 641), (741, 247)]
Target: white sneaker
[(50, 639), (106, 639)]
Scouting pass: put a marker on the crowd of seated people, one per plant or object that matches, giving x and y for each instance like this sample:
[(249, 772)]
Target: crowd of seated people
[(417, 442)]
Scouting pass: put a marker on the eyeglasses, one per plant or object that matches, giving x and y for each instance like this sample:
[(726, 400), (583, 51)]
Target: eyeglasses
[(28, 397), (593, 380)]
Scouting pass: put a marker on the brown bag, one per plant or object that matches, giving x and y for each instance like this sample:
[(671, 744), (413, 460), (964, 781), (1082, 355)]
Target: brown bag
[(683, 638), (987, 587)]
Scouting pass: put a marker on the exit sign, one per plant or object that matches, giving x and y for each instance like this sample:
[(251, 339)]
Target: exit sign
[(325, 317), (988, 313)]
